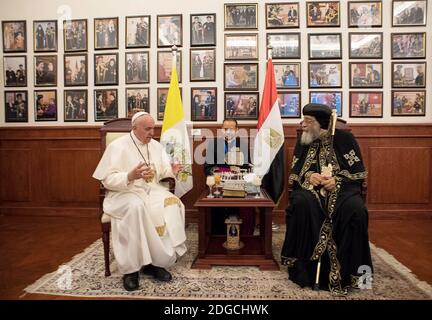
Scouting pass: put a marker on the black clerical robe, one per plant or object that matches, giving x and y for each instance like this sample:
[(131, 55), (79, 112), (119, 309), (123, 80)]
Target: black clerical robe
[(333, 228)]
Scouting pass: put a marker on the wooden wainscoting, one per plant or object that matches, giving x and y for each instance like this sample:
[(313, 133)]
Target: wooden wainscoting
[(47, 170)]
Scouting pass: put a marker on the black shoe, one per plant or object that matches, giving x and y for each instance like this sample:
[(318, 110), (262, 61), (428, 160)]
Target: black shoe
[(131, 281), (156, 272)]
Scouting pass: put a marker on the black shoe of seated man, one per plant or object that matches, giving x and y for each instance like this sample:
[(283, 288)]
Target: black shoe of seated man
[(156, 272), (131, 281)]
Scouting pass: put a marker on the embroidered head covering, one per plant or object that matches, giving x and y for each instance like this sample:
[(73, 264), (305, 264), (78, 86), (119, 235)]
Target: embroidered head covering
[(321, 112)]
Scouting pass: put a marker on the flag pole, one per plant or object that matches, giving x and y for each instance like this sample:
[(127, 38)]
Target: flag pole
[(269, 52), (174, 59)]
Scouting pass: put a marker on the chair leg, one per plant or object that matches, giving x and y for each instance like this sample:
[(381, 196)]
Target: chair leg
[(106, 244)]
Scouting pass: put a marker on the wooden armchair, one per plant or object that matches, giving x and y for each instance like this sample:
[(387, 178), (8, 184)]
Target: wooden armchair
[(110, 131)]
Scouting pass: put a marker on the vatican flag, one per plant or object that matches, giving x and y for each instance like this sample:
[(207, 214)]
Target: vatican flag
[(174, 136)]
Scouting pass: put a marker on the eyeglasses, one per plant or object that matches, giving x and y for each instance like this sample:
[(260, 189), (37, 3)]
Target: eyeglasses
[(307, 121)]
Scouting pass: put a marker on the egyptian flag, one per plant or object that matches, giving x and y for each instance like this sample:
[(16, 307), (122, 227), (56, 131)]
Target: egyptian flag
[(268, 150)]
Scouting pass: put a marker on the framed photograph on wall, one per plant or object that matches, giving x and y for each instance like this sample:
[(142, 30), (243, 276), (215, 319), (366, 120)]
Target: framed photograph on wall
[(284, 45), (202, 64), (240, 76), (105, 104), (204, 104), (282, 15), (75, 35), (289, 104), (138, 32), (169, 30), (16, 106), (408, 74), (15, 71), (137, 99), (75, 106), (75, 70), (241, 46), (106, 69), (366, 104), (106, 33), (241, 16), (409, 13), (241, 105), (364, 14), (408, 45), (164, 61), (325, 75), (333, 99), (366, 74), (45, 35), (14, 36), (323, 14), (365, 45), (287, 75), (162, 95), (203, 29), (137, 67), (45, 71), (45, 105), (325, 45), (409, 103)]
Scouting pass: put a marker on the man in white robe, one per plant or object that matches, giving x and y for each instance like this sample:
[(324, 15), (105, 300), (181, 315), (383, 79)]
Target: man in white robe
[(147, 221)]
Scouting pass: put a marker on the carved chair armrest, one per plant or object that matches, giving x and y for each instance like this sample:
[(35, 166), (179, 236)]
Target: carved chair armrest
[(169, 182)]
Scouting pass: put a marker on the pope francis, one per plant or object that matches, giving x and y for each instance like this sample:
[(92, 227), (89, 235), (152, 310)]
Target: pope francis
[(147, 221)]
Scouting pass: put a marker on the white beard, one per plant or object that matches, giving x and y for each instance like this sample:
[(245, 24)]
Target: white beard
[(308, 137)]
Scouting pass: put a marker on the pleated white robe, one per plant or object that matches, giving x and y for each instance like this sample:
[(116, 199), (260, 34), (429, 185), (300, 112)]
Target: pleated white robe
[(138, 207)]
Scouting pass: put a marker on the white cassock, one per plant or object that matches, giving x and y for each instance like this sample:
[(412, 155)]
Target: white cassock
[(147, 221)]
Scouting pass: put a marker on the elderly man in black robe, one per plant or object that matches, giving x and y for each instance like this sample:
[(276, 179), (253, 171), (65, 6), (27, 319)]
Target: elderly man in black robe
[(327, 221)]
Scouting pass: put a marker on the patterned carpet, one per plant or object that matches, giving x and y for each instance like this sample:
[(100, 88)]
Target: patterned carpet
[(391, 280)]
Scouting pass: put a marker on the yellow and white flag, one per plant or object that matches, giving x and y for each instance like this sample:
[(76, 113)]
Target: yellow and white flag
[(175, 138)]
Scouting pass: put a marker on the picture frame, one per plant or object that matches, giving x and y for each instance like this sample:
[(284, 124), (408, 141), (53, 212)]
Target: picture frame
[(45, 71), (138, 31), (137, 99), (14, 36), (333, 99), (366, 104), (325, 75), (284, 45), (240, 16), (75, 106), (323, 14), (365, 45), (204, 104), (287, 75), (409, 13), (164, 61), (105, 69), (366, 74), (408, 103), (240, 76), (364, 14), (409, 74), (45, 36), (75, 71), (137, 67), (45, 105), (106, 33), (282, 15), (169, 30), (202, 64), (75, 35), (408, 45), (105, 104), (16, 106), (162, 95), (325, 45), (203, 29), (289, 104), (241, 105), (241, 46), (15, 71)]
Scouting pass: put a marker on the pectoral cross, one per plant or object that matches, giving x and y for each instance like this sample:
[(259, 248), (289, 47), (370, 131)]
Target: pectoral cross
[(326, 171)]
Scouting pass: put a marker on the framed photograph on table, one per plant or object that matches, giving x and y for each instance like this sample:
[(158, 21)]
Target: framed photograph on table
[(164, 62), (14, 36), (366, 104), (364, 14), (408, 45), (106, 33), (106, 69), (75, 35), (240, 16), (75, 106), (137, 99), (323, 14), (240, 76), (162, 95), (204, 104), (75, 70), (241, 105), (138, 32), (169, 30), (15, 71), (366, 74), (45, 71), (409, 13), (45, 35), (325, 45), (325, 75), (409, 103), (203, 29), (241, 46), (282, 15), (45, 105), (105, 104), (137, 67), (408, 74), (287, 75), (16, 106), (289, 104), (284, 45), (365, 45), (333, 99), (202, 64)]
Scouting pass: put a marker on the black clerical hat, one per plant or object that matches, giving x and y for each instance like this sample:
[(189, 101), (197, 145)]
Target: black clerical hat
[(321, 112)]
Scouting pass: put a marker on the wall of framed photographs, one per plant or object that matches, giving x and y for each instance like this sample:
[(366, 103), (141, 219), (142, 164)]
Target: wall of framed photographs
[(81, 64)]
